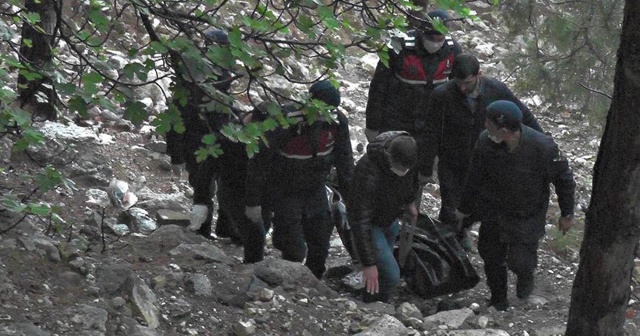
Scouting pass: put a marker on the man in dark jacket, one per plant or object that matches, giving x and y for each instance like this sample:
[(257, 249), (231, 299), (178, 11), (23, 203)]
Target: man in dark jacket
[(291, 174), (418, 62), (383, 190), (507, 188), (197, 108), (453, 120)]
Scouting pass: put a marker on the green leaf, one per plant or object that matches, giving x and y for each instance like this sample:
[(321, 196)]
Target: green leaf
[(41, 209), (209, 139), (12, 204), (90, 81), (48, 179), (135, 69), (78, 104), (99, 19), (136, 112), (327, 17)]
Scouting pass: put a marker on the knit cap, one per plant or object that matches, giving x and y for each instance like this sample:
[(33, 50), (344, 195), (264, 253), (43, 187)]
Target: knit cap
[(325, 91), (505, 113), (218, 36), (427, 27)]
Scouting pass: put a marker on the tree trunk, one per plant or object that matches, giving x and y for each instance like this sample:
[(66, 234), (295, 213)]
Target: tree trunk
[(38, 95), (612, 229)]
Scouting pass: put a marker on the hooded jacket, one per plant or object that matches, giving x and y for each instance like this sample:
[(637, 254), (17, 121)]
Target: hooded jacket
[(377, 196)]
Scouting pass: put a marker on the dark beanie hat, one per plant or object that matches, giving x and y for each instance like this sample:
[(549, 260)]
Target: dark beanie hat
[(218, 36), (325, 91), (505, 113)]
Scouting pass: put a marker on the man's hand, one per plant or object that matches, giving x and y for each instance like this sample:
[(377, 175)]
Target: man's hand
[(412, 212), (371, 134), (254, 213), (198, 216), (370, 279), (565, 224)]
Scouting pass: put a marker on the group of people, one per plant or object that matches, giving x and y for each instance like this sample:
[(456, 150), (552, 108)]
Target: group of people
[(431, 100)]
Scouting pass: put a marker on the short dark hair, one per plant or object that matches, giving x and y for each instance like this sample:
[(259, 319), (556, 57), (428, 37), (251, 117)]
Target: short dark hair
[(403, 151), (465, 65)]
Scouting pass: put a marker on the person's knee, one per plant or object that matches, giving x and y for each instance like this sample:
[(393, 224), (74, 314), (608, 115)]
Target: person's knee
[(292, 248), (521, 268)]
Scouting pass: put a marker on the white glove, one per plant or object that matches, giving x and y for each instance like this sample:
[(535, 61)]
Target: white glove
[(370, 134), (254, 213), (198, 216)]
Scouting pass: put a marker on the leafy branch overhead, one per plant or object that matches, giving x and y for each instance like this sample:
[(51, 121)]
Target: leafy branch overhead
[(263, 36), (69, 58)]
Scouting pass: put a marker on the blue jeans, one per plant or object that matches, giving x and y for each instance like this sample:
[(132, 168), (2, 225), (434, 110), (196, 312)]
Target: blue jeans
[(384, 239)]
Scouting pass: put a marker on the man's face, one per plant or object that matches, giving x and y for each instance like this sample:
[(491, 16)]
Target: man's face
[(437, 38), (399, 169), (467, 85), (495, 132)]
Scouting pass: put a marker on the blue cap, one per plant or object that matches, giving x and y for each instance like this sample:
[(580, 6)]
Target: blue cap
[(505, 113), (325, 91)]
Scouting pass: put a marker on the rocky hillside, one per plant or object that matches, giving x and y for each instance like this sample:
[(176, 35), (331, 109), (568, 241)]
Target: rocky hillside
[(141, 272)]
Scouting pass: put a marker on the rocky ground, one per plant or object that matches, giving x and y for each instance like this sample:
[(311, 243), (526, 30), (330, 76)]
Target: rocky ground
[(140, 272)]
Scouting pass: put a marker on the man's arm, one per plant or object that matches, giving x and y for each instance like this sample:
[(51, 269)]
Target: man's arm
[(343, 155), (360, 210), (565, 186), (378, 93), (430, 135), (471, 186), (527, 116), (561, 176)]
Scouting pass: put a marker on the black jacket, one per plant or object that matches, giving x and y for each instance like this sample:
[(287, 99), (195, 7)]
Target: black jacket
[(200, 116), (451, 128), (513, 188), (412, 73), (377, 196), (287, 166)]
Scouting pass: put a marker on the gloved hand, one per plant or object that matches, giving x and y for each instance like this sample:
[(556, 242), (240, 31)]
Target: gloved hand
[(254, 213), (370, 134), (424, 179), (198, 216)]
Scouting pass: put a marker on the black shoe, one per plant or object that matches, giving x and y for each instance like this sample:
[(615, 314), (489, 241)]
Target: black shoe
[(524, 287), (205, 233), (499, 305)]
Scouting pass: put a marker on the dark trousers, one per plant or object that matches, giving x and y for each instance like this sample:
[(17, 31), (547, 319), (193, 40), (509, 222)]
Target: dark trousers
[(451, 184), (196, 177), (302, 228), (498, 256), (231, 197)]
